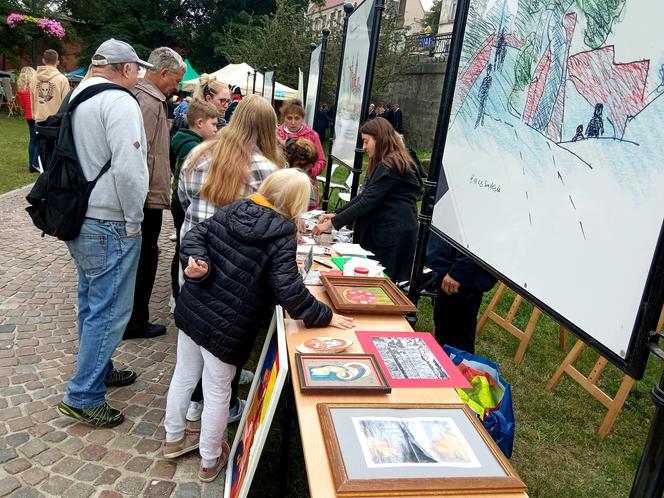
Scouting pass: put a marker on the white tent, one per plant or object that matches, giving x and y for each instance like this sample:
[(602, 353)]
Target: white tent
[(242, 75)]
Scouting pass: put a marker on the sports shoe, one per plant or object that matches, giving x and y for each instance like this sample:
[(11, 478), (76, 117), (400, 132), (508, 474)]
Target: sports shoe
[(235, 412), (189, 442), (246, 376), (195, 411), (99, 416), (209, 474), (118, 378)]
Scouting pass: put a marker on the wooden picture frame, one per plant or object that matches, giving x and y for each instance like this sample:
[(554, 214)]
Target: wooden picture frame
[(373, 380), (482, 470), (337, 285)]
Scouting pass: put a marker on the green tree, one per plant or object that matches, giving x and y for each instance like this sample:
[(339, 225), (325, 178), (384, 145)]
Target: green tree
[(432, 17)]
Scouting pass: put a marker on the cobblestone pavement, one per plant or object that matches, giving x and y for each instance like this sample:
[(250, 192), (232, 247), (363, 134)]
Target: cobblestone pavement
[(41, 452)]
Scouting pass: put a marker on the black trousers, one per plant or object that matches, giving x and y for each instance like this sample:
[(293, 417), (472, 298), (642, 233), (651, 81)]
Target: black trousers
[(455, 318), (178, 220), (147, 268)]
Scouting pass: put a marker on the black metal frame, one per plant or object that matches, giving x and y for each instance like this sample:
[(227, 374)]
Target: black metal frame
[(653, 297)]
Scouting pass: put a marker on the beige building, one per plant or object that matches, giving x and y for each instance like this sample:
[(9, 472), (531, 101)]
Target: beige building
[(332, 13), (447, 11)]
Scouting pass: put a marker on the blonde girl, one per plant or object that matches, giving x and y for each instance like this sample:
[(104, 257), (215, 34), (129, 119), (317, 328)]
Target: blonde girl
[(238, 263), (23, 82)]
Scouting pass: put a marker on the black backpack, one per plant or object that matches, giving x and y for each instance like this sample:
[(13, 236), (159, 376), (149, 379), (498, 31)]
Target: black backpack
[(59, 198)]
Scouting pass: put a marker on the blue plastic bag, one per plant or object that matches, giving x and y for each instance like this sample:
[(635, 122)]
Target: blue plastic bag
[(498, 422)]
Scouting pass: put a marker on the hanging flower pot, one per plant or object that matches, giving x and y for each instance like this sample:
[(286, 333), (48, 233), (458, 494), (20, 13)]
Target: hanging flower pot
[(36, 26)]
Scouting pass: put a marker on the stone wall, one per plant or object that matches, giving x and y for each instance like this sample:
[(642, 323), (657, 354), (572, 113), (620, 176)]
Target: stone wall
[(418, 92)]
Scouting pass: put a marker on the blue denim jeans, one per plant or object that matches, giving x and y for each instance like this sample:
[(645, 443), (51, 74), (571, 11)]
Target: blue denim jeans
[(33, 152), (106, 260)]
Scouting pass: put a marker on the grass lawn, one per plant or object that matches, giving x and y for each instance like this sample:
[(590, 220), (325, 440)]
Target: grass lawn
[(14, 153), (556, 451)]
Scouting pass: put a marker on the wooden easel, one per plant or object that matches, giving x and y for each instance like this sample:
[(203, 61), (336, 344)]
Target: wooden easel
[(507, 324), (589, 384)]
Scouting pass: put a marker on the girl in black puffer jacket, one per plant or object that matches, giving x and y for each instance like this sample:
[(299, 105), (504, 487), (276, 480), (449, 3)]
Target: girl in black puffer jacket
[(238, 263)]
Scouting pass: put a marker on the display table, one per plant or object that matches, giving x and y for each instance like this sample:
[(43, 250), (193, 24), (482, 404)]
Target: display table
[(319, 475)]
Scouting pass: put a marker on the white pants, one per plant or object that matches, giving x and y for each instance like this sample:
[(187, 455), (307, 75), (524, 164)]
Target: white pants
[(192, 362)]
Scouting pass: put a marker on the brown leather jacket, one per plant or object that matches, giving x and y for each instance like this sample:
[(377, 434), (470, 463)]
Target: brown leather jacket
[(155, 119)]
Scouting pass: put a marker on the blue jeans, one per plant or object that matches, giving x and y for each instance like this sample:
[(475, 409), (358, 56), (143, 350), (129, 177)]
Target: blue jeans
[(106, 260), (33, 151)]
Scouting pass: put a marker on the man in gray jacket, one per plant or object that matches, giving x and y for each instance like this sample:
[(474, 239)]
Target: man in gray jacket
[(107, 126), (151, 91)]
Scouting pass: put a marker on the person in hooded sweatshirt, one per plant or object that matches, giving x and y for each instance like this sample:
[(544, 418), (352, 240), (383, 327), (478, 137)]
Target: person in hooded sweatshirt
[(385, 213), (238, 263), (293, 126), (49, 87)]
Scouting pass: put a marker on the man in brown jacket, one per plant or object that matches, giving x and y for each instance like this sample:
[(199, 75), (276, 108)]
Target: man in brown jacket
[(151, 91), (49, 88)]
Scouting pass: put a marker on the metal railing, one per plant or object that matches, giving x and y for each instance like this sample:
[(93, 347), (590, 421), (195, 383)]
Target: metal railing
[(434, 45)]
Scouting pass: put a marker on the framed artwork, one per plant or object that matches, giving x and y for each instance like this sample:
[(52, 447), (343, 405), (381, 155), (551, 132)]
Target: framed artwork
[(412, 359), (340, 372), (545, 107), (403, 449), (262, 401), (366, 295)]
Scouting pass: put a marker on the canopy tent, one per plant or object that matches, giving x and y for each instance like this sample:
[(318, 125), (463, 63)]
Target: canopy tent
[(242, 75), (189, 75), (77, 74)]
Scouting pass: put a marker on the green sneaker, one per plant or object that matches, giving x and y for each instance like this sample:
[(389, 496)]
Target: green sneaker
[(118, 378), (99, 416)]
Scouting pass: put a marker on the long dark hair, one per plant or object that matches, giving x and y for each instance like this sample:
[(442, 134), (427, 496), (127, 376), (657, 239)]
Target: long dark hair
[(390, 149)]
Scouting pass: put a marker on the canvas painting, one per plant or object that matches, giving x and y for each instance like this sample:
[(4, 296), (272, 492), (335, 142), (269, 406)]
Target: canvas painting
[(553, 171), (417, 441), (340, 372), (262, 401), (312, 86), (365, 295), (412, 359), (351, 88), (412, 450)]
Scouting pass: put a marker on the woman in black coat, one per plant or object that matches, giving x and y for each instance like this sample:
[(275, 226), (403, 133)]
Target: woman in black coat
[(238, 264), (385, 213)]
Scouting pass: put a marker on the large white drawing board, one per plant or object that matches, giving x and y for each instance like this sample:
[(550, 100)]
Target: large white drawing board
[(312, 86), (571, 216), (353, 79)]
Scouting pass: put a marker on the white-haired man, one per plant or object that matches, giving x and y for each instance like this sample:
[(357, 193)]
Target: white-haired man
[(107, 129), (151, 91)]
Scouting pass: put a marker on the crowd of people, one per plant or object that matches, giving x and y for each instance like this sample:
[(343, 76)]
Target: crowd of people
[(236, 182)]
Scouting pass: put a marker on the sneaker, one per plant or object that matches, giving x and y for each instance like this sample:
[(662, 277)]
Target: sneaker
[(209, 474), (235, 412), (189, 442), (99, 416), (118, 378), (173, 237), (195, 411), (246, 376)]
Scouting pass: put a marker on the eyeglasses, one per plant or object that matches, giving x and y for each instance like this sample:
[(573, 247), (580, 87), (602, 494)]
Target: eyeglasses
[(225, 101)]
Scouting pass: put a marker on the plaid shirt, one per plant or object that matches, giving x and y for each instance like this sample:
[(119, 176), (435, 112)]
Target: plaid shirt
[(198, 209)]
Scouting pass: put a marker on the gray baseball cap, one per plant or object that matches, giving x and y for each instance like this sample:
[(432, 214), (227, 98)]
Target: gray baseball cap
[(117, 52)]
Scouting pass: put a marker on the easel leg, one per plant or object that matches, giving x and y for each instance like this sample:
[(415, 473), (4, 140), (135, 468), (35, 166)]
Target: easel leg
[(569, 359), (528, 333), (616, 406), (562, 338), (286, 432), (489, 309)]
